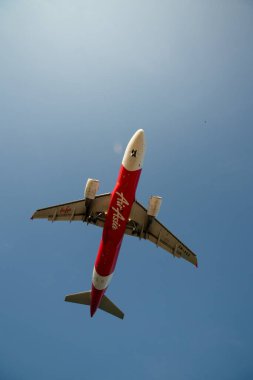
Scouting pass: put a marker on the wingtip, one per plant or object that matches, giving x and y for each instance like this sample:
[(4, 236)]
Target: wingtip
[(33, 215)]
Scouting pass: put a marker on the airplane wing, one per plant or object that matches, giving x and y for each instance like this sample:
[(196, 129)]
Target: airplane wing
[(76, 211), (138, 225)]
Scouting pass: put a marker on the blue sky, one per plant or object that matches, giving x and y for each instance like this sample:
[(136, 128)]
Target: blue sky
[(77, 79)]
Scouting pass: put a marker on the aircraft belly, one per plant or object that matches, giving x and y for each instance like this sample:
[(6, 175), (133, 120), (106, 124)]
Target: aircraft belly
[(122, 199)]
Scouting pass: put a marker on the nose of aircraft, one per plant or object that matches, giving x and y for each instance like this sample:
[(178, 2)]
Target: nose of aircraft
[(135, 151)]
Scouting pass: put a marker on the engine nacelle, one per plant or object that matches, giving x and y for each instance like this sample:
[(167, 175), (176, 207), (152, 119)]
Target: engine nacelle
[(154, 205), (91, 188)]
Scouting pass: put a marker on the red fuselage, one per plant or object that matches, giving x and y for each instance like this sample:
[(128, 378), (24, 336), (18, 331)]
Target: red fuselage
[(121, 202)]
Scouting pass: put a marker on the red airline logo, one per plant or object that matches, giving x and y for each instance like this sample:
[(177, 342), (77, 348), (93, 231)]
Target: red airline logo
[(117, 216), (65, 210)]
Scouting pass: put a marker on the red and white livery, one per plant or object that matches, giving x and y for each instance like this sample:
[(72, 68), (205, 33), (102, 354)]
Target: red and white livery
[(118, 213)]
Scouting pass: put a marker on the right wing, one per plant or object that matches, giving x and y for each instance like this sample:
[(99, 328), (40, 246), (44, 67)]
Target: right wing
[(76, 211), (157, 233)]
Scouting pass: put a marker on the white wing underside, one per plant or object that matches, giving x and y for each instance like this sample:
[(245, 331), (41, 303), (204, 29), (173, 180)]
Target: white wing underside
[(74, 211), (157, 233), (139, 223)]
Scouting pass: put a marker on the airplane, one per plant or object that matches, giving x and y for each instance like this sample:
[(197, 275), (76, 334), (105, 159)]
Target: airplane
[(118, 213)]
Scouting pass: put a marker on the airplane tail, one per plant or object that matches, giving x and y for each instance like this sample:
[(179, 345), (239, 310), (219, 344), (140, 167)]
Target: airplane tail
[(84, 298)]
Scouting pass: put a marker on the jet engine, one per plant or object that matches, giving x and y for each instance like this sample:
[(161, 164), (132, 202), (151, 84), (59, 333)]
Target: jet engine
[(154, 205), (91, 188), (90, 192)]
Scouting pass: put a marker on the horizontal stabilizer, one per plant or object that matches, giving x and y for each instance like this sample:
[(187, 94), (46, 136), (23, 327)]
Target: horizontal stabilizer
[(82, 298), (107, 305)]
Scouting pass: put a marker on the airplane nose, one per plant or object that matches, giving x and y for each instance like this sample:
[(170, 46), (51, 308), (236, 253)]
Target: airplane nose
[(139, 134), (135, 151), (138, 138)]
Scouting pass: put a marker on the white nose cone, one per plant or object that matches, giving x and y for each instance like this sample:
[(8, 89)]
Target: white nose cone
[(135, 151)]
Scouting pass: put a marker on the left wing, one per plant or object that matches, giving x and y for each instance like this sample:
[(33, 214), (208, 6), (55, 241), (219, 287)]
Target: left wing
[(142, 226), (76, 211)]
